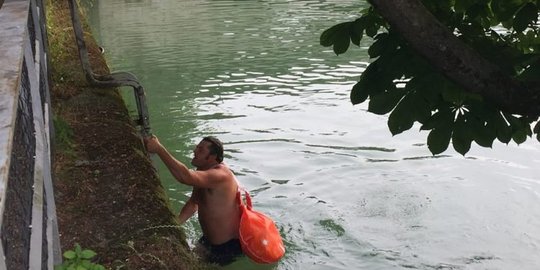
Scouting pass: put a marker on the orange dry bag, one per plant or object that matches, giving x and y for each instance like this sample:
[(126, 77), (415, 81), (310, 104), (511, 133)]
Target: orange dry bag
[(259, 237)]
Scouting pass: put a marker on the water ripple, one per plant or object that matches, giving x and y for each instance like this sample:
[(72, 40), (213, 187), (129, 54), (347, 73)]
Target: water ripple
[(353, 148)]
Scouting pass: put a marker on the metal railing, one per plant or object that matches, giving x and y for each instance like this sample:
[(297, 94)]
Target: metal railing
[(29, 236), (28, 226)]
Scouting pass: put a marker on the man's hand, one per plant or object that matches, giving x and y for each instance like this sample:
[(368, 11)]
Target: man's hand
[(152, 144)]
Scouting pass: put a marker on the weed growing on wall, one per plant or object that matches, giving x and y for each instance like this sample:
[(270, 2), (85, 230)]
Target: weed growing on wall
[(79, 259)]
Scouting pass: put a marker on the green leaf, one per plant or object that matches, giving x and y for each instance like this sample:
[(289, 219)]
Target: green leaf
[(402, 118), (88, 254), (471, 29), (451, 93), (443, 117), (505, 9), (418, 65), (70, 254), (395, 60), (520, 128), (369, 84), (424, 85), (520, 136), (527, 14), (337, 35), (357, 31), (379, 46), (477, 10), (341, 43), (359, 92), (503, 129), (438, 139), (356, 36), (531, 74), (537, 127), (329, 36), (384, 102), (463, 5), (78, 249), (372, 30), (461, 136), (484, 135), (461, 145), (423, 111), (389, 70), (514, 122)]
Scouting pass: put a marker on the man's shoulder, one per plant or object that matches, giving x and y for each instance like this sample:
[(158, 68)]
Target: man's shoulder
[(222, 171), (223, 167)]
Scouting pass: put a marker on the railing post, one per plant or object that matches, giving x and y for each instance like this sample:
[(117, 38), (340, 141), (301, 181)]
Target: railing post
[(13, 18), (25, 134)]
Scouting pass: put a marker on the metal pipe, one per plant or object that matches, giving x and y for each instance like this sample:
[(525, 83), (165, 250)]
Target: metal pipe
[(115, 79)]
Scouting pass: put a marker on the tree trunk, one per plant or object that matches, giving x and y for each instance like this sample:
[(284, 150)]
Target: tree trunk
[(455, 59)]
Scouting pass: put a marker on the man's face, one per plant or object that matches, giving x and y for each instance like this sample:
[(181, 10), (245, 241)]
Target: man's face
[(201, 155)]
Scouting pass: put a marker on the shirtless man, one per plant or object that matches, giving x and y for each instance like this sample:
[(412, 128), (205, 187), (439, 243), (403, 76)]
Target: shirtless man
[(214, 197)]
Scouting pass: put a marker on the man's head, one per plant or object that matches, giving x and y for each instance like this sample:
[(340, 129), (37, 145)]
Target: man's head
[(207, 153), (215, 147)]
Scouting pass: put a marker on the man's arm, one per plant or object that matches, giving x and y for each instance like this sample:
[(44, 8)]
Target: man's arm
[(204, 179), (188, 210)]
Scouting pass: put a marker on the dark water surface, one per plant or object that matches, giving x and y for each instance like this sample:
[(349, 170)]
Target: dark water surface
[(343, 191)]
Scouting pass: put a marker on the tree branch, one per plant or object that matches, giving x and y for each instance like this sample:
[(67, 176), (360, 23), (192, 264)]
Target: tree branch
[(456, 60)]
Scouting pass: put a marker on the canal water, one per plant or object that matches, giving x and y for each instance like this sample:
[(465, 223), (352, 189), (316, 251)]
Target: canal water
[(344, 193)]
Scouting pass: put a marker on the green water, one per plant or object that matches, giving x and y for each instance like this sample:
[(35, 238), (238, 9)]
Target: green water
[(344, 192)]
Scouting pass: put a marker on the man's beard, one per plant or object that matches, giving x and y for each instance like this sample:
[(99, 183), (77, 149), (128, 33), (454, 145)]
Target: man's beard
[(194, 161)]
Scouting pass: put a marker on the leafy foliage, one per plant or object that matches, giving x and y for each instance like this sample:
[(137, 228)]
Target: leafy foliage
[(79, 259), (506, 32)]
